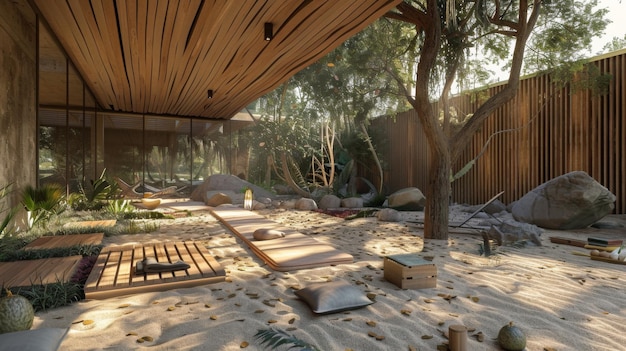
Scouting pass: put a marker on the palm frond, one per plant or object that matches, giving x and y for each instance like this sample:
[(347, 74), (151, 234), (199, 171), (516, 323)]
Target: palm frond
[(275, 337)]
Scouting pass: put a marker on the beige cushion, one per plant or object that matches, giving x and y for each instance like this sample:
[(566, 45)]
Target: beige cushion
[(267, 234), (333, 297)]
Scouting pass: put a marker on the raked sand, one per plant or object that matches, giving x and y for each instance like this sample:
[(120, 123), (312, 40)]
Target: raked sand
[(562, 300)]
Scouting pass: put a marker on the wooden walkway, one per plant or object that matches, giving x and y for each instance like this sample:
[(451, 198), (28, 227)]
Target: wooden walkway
[(38, 272), (51, 242), (114, 272)]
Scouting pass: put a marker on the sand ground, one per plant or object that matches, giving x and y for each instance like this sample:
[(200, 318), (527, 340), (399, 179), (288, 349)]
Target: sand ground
[(561, 298)]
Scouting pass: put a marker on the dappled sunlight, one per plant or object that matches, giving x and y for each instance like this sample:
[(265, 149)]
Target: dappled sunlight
[(555, 296)]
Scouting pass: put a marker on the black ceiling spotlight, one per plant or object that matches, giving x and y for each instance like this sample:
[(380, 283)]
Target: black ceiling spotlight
[(210, 93), (269, 31)]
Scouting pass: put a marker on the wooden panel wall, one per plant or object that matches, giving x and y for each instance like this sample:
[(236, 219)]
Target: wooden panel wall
[(549, 131)]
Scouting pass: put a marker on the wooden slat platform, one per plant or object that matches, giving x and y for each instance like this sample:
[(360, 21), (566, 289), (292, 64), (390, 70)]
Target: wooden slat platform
[(38, 272), (292, 252), (114, 271), (50, 242)]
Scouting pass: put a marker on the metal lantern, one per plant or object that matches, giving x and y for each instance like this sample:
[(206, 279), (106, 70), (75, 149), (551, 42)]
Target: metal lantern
[(247, 199)]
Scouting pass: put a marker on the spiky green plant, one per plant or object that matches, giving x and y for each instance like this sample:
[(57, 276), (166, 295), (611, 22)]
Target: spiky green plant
[(42, 203), (119, 207), (274, 338), (6, 225)]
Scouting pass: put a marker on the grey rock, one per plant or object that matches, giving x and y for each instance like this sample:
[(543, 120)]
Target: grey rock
[(305, 204), (407, 199), (226, 182), (217, 199), (329, 201), (571, 201), (352, 202), (388, 215)]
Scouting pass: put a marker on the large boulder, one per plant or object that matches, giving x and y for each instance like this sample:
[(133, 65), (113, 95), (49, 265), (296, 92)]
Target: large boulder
[(329, 201), (218, 198), (407, 199), (227, 184), (388, 215), (571, 201), (305, 204), (352, 202)]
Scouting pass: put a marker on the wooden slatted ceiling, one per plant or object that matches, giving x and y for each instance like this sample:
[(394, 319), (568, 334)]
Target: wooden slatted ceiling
[(161, 57)]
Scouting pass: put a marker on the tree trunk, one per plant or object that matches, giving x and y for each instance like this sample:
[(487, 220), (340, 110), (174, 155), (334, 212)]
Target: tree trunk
[(437, 196)]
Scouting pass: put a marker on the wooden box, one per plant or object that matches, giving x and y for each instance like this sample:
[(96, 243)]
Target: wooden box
[(409, 271)]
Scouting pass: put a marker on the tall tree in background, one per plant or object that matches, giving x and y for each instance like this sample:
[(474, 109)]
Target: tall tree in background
[(445, 29)]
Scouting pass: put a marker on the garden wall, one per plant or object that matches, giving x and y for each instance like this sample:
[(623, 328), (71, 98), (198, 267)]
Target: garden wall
[(549, 131)]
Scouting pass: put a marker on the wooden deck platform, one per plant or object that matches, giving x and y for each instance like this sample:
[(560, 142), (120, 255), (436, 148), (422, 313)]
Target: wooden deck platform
[(38, 272), (51, 242), (114, 272)]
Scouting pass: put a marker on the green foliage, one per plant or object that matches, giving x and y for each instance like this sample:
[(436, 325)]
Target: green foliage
[(93, 198), (47, 296), (273, 338), (119, 207), (42, 203), (6, 225), (34, 254), (135, 227)]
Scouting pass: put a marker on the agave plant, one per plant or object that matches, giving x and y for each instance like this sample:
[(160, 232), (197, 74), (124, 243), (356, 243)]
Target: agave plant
[(276, 337)]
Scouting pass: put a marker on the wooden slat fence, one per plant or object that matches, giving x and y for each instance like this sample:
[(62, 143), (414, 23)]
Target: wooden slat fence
[(553, 131)]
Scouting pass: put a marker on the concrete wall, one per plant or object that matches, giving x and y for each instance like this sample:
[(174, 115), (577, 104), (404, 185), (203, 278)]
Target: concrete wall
[(18, 103)]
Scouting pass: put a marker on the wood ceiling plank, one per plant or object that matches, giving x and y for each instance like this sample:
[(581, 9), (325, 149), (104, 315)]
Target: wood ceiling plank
[(97, 64), (127, 13), (246, 20), (157, 53), (63, 24), (183, 24), (162, 62), (106, 20), (208, 36), (280, 72)]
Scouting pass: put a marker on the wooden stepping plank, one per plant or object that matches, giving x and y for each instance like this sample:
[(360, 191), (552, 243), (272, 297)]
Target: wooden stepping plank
[(50, 242), (114, 272), (291, 252), (38, 272)]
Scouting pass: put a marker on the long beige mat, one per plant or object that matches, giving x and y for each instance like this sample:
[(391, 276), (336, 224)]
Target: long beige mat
[(292, 252), (114, 272), (38, 272)]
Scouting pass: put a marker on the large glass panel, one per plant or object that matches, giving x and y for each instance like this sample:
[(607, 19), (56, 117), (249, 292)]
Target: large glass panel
[(52, 121), (76, 136), (52, 148), (123, 146), (209, 149), (167, 153), (91, 172)]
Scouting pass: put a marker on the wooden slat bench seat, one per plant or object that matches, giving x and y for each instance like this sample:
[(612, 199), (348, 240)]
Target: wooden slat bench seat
[(114, 271)]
